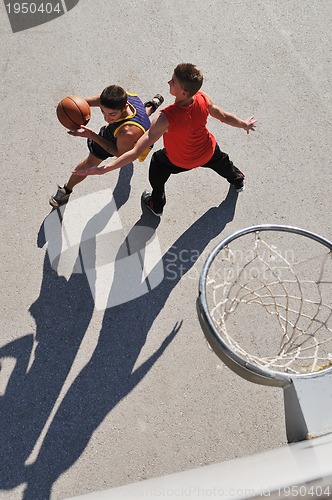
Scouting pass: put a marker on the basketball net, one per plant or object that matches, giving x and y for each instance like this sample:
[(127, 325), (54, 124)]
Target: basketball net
[(271, 301)]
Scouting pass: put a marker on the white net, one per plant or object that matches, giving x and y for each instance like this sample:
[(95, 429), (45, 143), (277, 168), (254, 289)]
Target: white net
[(269, 294)]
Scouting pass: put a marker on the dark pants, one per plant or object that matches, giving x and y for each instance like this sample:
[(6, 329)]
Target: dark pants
[(161, 169)]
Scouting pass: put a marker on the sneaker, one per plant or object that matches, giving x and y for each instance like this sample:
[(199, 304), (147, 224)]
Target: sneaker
[(60, 198), (155, 102), (146, 198), (238, 184), (240, 188)]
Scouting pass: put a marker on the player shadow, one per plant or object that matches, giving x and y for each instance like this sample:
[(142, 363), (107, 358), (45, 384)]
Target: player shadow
[(62, 314), (42, 361)]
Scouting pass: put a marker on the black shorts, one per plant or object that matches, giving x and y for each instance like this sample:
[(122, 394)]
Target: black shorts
[(97, 150)]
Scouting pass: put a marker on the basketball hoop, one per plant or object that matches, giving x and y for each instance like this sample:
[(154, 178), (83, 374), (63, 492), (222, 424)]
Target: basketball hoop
[(265, 304)]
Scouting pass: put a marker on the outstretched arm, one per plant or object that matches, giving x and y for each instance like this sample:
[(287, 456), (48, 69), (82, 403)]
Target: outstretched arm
[(158, 127), (225, 117)]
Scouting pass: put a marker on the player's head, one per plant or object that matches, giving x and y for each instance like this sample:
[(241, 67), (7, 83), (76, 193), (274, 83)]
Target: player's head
[(188, 77), (113, 101), (113, 97)]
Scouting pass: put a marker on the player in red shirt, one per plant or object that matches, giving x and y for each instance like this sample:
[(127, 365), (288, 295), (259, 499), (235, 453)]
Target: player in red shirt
[(188, 144)]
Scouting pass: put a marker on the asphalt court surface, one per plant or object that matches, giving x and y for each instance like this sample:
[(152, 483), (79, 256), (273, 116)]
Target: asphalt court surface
[(98, 394)]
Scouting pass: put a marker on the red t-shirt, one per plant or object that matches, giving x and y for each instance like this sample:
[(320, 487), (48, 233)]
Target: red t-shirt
[(188, 142)]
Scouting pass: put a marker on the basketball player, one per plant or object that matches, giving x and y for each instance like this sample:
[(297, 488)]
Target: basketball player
[(127, 118), (188, 144)]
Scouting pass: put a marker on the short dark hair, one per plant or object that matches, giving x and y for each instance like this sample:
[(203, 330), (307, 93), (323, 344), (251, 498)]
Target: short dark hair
[(113, 97), (190, 77)]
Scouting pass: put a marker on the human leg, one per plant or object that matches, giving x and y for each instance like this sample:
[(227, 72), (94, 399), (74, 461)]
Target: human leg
[(159, 172), (96, 156), (222, 165), (158, 176), (90, 161), (62, 195)]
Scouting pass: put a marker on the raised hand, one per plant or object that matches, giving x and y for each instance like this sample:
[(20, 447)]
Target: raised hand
[(250, 124)]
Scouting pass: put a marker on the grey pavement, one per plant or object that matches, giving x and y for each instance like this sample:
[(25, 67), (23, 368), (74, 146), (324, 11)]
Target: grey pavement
[(98, 396)]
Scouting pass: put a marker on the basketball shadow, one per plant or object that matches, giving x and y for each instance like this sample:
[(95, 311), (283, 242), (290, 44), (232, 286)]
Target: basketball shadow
[(62, 314)]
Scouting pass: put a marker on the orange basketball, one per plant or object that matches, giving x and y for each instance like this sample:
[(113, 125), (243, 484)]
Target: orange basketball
[(73, 111)]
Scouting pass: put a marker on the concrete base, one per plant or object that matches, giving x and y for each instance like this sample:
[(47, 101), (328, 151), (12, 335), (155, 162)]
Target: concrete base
[(308, 405)]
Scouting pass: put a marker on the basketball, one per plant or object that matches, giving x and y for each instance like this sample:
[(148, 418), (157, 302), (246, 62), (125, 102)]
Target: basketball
[(73, 111)]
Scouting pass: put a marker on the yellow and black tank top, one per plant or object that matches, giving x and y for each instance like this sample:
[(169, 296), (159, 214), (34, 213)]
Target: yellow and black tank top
[(139, 118)]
